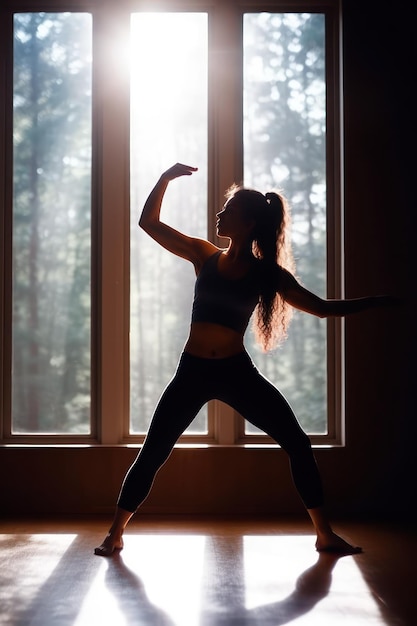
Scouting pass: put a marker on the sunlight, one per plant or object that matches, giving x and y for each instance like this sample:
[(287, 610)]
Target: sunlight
[(99, 607), (168, 65), (176, 579), (181, 579), (163, 50), (157, 577), (32, 566), (283, 577), (168, 123)]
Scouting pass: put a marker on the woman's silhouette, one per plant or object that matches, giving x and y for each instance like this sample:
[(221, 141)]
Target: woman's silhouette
[(253, 274)]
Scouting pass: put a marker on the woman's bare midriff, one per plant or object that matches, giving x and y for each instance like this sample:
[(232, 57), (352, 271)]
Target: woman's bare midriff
[(212, 341)]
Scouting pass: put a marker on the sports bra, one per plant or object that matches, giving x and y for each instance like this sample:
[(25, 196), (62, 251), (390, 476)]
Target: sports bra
[(226, 301)]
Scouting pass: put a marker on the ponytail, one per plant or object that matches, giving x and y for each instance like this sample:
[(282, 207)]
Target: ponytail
[(271, 244)]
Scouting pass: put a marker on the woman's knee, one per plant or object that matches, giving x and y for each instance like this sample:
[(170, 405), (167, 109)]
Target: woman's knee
[(154, 456), (298, 444)]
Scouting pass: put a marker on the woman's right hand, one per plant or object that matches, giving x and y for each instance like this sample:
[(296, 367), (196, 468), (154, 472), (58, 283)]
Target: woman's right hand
[(177, 170)]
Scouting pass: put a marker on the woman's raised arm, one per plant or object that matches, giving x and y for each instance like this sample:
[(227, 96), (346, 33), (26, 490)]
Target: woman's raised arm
[(178, 243)]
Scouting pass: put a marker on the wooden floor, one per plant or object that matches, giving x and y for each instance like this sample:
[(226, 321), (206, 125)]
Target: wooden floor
[(205, 573)]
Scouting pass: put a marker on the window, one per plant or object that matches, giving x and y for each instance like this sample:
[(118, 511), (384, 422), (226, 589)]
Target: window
[(168, 123), (284, 90), (98, 102), (51, 217)]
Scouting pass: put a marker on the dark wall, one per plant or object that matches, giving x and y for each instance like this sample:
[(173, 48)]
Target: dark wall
[(380, 137), (374, 473)]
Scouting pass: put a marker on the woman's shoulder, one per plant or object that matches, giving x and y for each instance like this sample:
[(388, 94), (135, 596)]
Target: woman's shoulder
[(286, 280), (274, 273), (205, 250)]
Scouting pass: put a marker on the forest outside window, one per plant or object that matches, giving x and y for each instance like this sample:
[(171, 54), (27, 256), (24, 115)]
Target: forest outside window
[(246, 95), (285, 145), (51, 244)]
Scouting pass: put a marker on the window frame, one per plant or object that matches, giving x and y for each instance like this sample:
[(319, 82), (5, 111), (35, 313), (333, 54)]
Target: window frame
[(111, 210)]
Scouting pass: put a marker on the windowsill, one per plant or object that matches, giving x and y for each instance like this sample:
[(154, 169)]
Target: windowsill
[(182, 446)]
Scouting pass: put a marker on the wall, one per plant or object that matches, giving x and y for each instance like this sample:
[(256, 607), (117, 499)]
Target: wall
[(380, 226), (373, 473)]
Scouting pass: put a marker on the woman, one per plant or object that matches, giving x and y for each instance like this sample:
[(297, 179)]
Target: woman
[(231, 283)]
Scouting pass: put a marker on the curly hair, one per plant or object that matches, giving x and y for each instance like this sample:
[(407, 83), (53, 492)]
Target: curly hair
[(271, 245)]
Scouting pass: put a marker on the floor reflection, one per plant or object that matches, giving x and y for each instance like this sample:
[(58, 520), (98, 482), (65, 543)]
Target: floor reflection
[(268, 592), (155, 581), (219, 581), (180, 579)]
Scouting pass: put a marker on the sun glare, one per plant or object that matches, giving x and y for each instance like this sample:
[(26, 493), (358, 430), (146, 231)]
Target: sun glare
[(168, 54)]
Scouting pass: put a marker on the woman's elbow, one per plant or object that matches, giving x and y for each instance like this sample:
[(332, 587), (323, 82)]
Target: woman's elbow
[(143, 224)]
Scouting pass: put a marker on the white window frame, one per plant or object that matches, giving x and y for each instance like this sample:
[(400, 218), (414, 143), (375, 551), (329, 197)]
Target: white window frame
[(111, 190)]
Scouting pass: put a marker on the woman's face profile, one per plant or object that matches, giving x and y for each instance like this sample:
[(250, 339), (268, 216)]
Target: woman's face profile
[(230, 220)]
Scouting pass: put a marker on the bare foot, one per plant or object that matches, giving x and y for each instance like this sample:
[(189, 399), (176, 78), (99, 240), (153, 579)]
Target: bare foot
[(109, 546), (330, 542)]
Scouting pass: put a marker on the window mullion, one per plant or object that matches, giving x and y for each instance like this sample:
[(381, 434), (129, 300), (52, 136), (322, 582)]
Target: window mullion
[(225, 424), (112, 127), (6, 38), (225, 144), (335, 233), (225, 105)]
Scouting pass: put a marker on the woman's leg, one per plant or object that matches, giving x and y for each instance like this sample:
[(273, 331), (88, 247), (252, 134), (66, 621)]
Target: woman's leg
[(114, 538), (179, 404), (260, 402)]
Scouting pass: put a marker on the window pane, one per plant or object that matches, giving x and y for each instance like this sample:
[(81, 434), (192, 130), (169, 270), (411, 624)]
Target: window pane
[(284, 148), (168, 124), (51, 223)]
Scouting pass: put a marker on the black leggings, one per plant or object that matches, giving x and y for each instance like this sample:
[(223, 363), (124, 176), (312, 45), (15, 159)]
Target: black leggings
[(237, 382)]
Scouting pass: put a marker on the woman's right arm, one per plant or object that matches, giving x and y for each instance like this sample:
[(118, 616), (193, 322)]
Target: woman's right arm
[(190, 248)]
